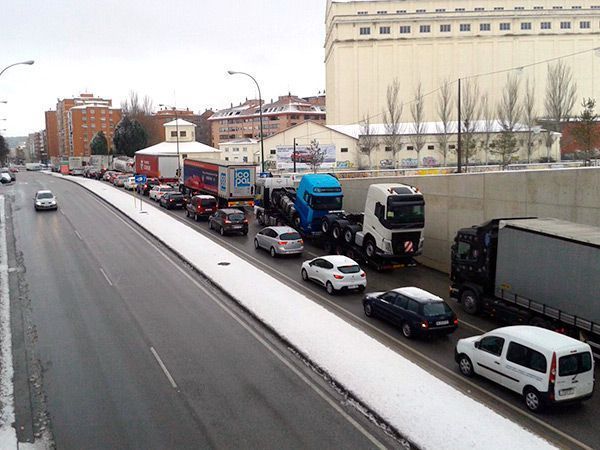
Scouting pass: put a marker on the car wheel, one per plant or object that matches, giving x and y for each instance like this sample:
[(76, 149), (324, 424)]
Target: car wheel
[(304, 275), (407, 330), (222, 231), (245, 233), (187, 213), (465, 366), (330, 288), (273, 252), (210, 225), (533, 401), (368, 309), (196, 218), (256, 244), (470, 301), (361, 288)]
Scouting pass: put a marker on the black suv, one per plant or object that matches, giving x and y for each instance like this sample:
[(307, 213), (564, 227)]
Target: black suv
[(172, 200), (415, 311), (228, 220)]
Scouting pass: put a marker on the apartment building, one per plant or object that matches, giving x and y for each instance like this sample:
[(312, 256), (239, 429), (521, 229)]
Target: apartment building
[(370, 43), (243, 121), (52, 134), (36, 149)]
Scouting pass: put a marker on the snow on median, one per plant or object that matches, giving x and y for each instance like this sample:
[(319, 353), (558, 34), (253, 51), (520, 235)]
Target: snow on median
[(423, 408)]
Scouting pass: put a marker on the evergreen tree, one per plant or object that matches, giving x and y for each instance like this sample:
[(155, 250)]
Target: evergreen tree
[(4, 150), (129, 137), (99, 144)]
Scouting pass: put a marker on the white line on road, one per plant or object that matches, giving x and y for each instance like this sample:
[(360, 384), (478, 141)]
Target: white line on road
[(443, 369), (164, 368), (105, 276), (78, 235)]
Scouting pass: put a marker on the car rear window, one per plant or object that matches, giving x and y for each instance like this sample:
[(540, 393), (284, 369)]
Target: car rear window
[(436, 309), (208, 203), (176, 196), (349, 269), (290, 236), (236, 217), (574, 364)]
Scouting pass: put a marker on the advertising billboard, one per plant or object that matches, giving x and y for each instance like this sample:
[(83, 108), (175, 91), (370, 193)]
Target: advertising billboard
[(303, 157)]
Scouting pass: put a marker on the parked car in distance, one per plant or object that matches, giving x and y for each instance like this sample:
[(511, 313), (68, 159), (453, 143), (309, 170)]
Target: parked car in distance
[(172, 200), (10, 173), (108, 175), (144, 188), (14, 169), (44, 200), (543, 366), (201, 206), (335, 272), (279, 241), (159, 190), (76, 172), (414, 310), (228, 220), (130, 183), (119, 180), (5, 178)]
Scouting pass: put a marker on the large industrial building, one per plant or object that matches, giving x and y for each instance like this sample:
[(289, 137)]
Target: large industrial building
[(370, 43)]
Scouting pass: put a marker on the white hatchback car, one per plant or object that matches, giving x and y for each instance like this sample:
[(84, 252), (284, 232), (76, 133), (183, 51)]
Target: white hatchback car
[(159, 190), (130, 184), (335, 272)]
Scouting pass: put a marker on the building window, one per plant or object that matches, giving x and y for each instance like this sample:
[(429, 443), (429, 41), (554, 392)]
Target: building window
[(575, 7), (384, 30), (365, 30), (565, 25), (519, 8), (273, 151), (173, 133), (585, 25), (595, 6), (430, 147), (388, 149), (505, 26), (546, 26), (465, 27), (362, 13), (440, 10), (557, 7), (425, 29), (227, 158), (445, 28), (401, 11), (409, 147), (344, 150), (452, 147), (499, 8), (182, 133), (405, 29), (526, 26), (381, 12), (538, 7), (479, 9), (459, 9), (484, 27), (421, 10)]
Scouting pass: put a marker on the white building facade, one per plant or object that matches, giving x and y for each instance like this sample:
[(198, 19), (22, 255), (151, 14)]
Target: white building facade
[(370, 43)]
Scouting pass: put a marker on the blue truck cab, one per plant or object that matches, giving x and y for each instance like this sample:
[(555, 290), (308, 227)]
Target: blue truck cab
[(316, 196)]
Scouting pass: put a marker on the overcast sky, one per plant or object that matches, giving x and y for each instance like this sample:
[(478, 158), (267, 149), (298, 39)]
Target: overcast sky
[(174, 51)]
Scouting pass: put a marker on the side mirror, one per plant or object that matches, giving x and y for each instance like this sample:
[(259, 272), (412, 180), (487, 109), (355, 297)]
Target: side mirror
[(477, 344)]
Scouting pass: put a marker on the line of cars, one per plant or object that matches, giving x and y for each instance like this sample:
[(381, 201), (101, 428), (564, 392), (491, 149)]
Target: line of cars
[(543, 366)]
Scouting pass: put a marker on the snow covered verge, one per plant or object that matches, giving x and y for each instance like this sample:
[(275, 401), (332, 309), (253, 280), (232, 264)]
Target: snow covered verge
[(427, 411)]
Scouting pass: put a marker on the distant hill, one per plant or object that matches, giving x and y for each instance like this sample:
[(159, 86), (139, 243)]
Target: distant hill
[(13, 141)]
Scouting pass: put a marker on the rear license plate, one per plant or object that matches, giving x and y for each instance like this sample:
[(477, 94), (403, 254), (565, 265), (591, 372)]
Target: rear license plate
[(564, 392), (237, 227), (355, 286), (442, 322)]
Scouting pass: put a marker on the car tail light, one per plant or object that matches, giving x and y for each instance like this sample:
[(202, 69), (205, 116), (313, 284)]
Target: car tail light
[(455, 321), (362, 274), (552, 376), (424, 324), (338, 277), (245, 220), (227, 221), (282, 242)]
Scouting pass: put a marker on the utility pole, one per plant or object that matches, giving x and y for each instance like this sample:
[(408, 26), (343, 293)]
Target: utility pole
[(294, 155)]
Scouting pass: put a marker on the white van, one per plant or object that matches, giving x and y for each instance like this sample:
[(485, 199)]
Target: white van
[(542, 365)]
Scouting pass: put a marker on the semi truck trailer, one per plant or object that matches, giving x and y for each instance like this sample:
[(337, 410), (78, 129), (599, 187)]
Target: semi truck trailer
[(387, 234), (543, 272)]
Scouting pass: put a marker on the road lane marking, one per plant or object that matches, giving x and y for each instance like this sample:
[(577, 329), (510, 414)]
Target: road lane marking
[(164, 368), (105, 276), (259, 338), (78, 235), (449, 372)]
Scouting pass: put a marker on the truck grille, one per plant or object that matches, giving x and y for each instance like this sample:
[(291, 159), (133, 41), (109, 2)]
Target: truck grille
[(400, 240)]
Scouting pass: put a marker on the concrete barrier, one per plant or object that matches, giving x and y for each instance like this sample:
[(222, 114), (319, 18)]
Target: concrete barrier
[(461, 200)]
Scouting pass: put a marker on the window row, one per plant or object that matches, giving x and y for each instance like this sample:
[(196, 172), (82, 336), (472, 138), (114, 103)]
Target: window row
[(478, 9), (465, 27)]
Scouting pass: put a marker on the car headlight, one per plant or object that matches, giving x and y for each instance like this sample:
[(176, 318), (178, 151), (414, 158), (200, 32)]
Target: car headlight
[(387, 246), (38, 203)]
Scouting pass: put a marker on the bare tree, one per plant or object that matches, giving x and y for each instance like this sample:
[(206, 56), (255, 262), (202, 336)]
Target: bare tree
[(509, 111), (444, 128), (417, 113), (469, 114), (367, 139), (392, 120), (561, 91), (488, 120), (316, 155), (136, 108), (529, 115)]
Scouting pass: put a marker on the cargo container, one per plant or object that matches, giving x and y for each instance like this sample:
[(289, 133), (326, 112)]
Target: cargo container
[(163, 167), (543, 272), (232, 184)]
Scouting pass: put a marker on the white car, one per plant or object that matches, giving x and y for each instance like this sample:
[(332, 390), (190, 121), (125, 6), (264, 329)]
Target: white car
[(159, 190), (130, 184), (44, 200), (541, 365), (335, 272)]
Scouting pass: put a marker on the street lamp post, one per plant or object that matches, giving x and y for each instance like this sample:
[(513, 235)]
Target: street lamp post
[(177, 139), (30, 62), (260, 114)]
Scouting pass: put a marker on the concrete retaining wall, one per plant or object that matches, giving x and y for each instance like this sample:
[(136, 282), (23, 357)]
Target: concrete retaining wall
[(461, 200)]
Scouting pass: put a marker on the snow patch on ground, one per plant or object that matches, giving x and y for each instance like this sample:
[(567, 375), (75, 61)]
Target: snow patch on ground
[(426, 410), (8, 435)]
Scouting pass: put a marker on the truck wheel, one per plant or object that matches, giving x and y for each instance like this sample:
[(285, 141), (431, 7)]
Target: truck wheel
[(325, 225), (260, 219), (370, 247), (336, 231), (349, 235), (470, 301), (296, 221)]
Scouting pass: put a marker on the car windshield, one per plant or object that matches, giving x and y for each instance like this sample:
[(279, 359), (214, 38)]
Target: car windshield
[(236, 217), (322, 203), (290, 236), (574, 364), (436, 309), (399, 213), (45, 195), (349, 269)]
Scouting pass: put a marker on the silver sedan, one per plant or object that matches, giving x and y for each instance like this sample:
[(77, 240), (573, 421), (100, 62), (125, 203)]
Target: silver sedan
[(279, 241)]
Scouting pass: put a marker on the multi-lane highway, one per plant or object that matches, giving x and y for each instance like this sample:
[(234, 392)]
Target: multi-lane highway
[(569, 426), (138, 351)]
